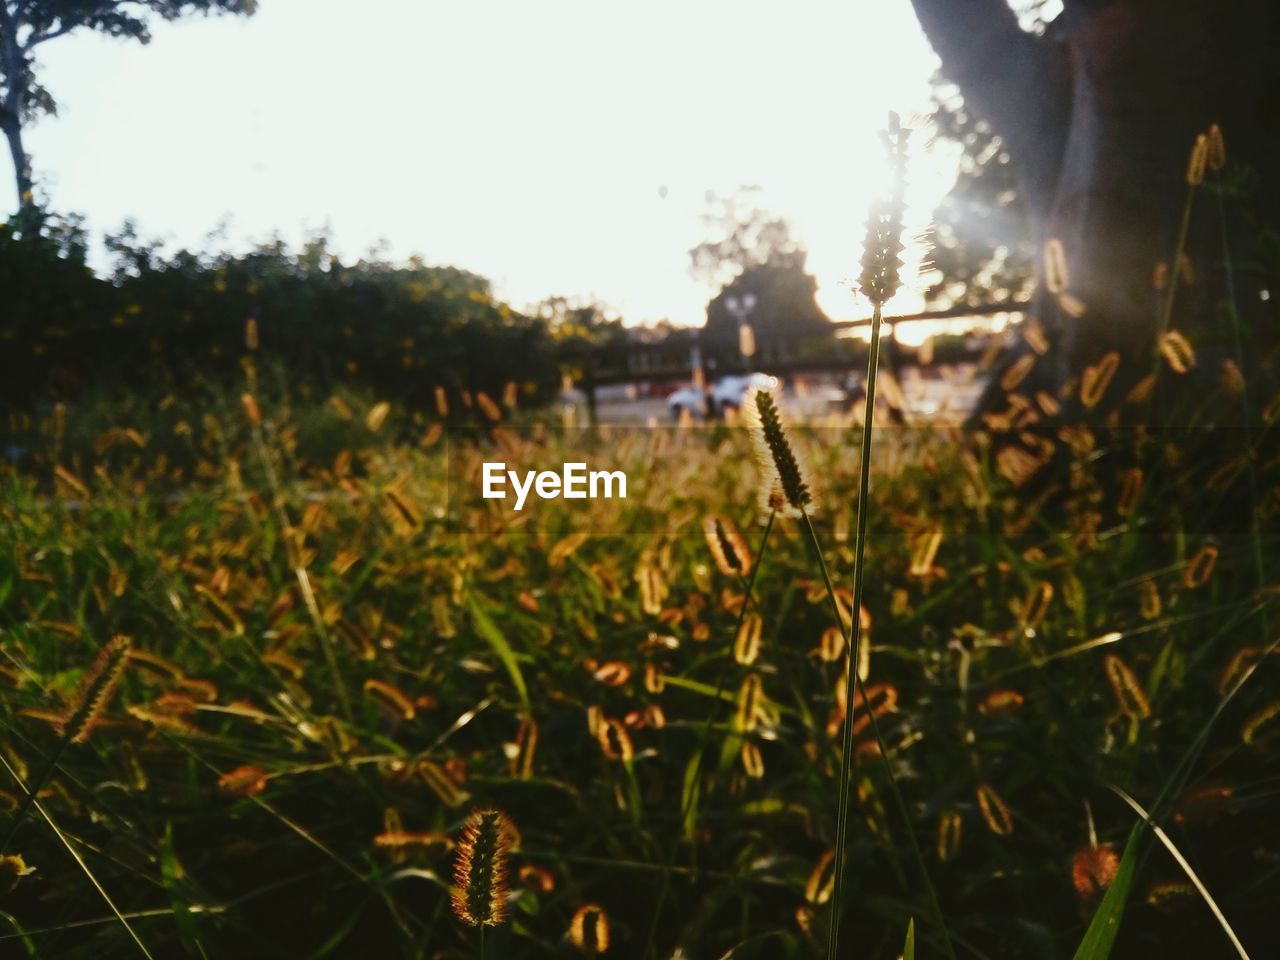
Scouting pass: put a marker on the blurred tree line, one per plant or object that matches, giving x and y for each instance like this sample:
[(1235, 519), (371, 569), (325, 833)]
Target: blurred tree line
[(169, 321)]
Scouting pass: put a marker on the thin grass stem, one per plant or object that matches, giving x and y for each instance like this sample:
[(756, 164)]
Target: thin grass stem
[(855, 637)]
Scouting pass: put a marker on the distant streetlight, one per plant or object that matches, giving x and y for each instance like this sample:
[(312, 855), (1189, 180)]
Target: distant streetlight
[(740, 307)]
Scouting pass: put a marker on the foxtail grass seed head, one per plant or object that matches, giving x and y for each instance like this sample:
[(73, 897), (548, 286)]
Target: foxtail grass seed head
[(612, 674), (1055, 267), (389, 699), (832, 644), (785, 486), (1130, 491), (730, 551), (1141, 390), (246, 781), (746, 646), (994, 811), (251, 334), (1130, 696), (1093, 868), (480, 871), (1017, 372), (377, 416), (589, 929), (1177, 352), (615, 742), (752, 760), (924, 551), (1096, 379), (1170, 897), (252, 413), (96, 689), (1200, 568), (1149, 605), (1260, 724), (490, 409), (750, 703), (821, 881), (1196, 162), (1240, 661), (1216, 153), (881, 255), (950, 832), (1000, 703)]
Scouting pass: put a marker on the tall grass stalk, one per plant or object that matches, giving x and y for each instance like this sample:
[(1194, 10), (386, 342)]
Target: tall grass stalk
[(1195, 179), (879, 281), (854, 639), (1216, 162)]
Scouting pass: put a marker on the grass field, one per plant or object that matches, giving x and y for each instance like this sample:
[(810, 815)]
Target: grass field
[(338, 652)]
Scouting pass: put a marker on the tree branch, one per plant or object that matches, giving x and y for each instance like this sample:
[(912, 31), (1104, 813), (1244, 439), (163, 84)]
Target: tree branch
[(38, 37), (11, 63), (1017, 83)]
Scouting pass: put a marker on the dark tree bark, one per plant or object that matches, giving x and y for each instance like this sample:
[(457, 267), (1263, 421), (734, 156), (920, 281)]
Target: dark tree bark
[(21, 162), (1099, 116), (11, 109), (26, 24)]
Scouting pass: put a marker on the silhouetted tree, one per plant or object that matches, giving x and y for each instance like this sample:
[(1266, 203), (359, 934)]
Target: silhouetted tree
[(1097, 111), (785, 301), (26, 24), (751, 251)]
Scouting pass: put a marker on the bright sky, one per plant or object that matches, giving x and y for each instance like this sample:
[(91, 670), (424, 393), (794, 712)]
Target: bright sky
[(528, 142)]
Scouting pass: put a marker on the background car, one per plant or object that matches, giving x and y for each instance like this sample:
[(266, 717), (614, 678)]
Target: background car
[(726, 393), (729, 391)]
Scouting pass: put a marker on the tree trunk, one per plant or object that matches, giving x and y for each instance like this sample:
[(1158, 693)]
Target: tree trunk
[(1100, 115), (13, 66), (21, 162)]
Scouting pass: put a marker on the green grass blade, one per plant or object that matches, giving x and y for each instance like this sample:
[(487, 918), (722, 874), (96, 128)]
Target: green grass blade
[(1186, 868), (489, 631), (1101, 935), (909, 948)]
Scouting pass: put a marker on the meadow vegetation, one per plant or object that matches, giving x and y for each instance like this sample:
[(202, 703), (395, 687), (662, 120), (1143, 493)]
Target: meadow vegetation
[(276, 686), (333, 663)]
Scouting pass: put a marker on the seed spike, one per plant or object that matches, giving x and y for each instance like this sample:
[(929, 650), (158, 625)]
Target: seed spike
[(881, 262), (95, 689), (785, 484), (480, 872)]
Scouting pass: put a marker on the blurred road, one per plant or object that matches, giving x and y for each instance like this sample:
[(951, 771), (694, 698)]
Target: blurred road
[(929, 400)]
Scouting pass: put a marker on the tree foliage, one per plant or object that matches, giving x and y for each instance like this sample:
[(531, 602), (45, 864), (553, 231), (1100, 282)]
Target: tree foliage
[(750, 250), (979, 238), (27, 24), (178, 319), (785, 301)]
